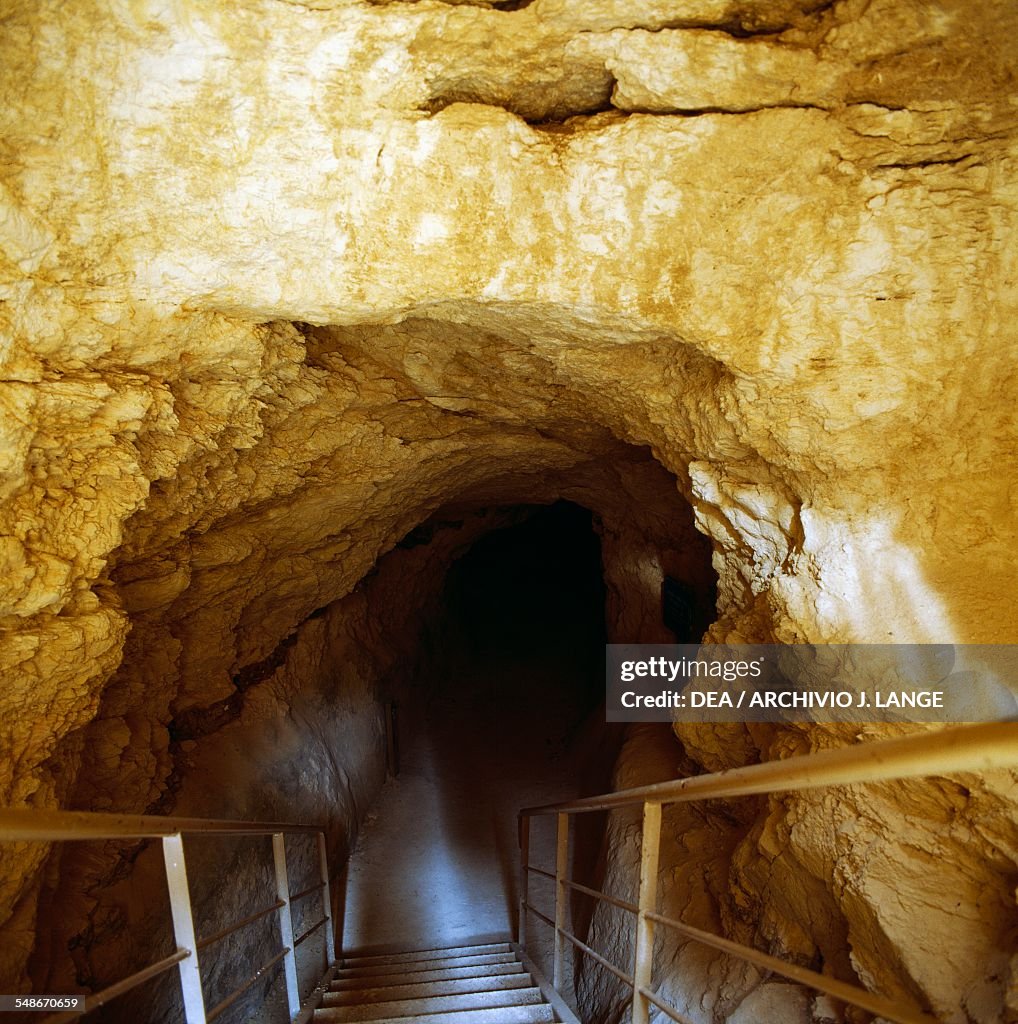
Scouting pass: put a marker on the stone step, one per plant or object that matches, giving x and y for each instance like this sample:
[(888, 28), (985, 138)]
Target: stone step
[(409, 956), (426, 989), (536, 1013), (374, 981), (461, 1001), (435, 964)]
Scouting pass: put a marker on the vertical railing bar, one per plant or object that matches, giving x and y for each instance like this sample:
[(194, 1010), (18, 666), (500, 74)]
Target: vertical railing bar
[(329, 942), (561, 894), (286, 923), (644, 957), (523, 824), (183, 928)]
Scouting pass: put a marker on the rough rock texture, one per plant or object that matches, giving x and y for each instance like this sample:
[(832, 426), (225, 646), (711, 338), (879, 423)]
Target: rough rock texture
[(903, 887), (280, 280), (301, 739)]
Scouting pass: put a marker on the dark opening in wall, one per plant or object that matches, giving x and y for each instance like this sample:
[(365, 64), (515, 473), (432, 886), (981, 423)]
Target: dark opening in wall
[(534, 591), (505, 712)]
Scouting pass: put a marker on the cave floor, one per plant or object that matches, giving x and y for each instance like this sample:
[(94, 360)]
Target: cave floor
[(437, 862)]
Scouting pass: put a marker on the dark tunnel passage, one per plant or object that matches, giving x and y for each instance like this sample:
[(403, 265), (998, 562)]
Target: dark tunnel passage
[(486, 625), (534, 593), (510, 714)]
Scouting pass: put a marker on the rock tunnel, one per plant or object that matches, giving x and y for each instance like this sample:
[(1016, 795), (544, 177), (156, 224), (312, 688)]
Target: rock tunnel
[(362, 353)]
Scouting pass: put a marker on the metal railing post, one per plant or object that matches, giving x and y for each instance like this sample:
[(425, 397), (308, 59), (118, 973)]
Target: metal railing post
[(183, 928), (523, 822), (561, 867), (644, 959), (286, 922), (329, 943)]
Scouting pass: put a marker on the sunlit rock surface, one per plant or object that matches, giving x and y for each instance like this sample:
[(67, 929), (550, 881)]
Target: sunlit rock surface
[(281, 280), (905, 887)]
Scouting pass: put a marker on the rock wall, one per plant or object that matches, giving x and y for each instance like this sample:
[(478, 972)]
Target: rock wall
[(281, 280), (903, 888), (301, 738)]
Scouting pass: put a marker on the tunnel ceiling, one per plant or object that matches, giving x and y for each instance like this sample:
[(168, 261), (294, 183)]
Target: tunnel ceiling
[(306, 272)]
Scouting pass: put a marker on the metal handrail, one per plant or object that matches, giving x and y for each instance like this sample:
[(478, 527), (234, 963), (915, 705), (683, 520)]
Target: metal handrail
[(211, 940), (21, 824), (597, 894), (294, 896), (670, 1011), (967, 748), (311, 931), (226, 1003), (44, 825), (101, 998), (831, 986), (541, 917), (597, 958)]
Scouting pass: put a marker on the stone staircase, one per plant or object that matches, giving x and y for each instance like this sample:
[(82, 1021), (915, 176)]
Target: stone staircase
[(480, 984)]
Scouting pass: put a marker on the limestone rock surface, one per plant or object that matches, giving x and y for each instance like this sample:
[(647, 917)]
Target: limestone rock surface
[(281, 280)]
